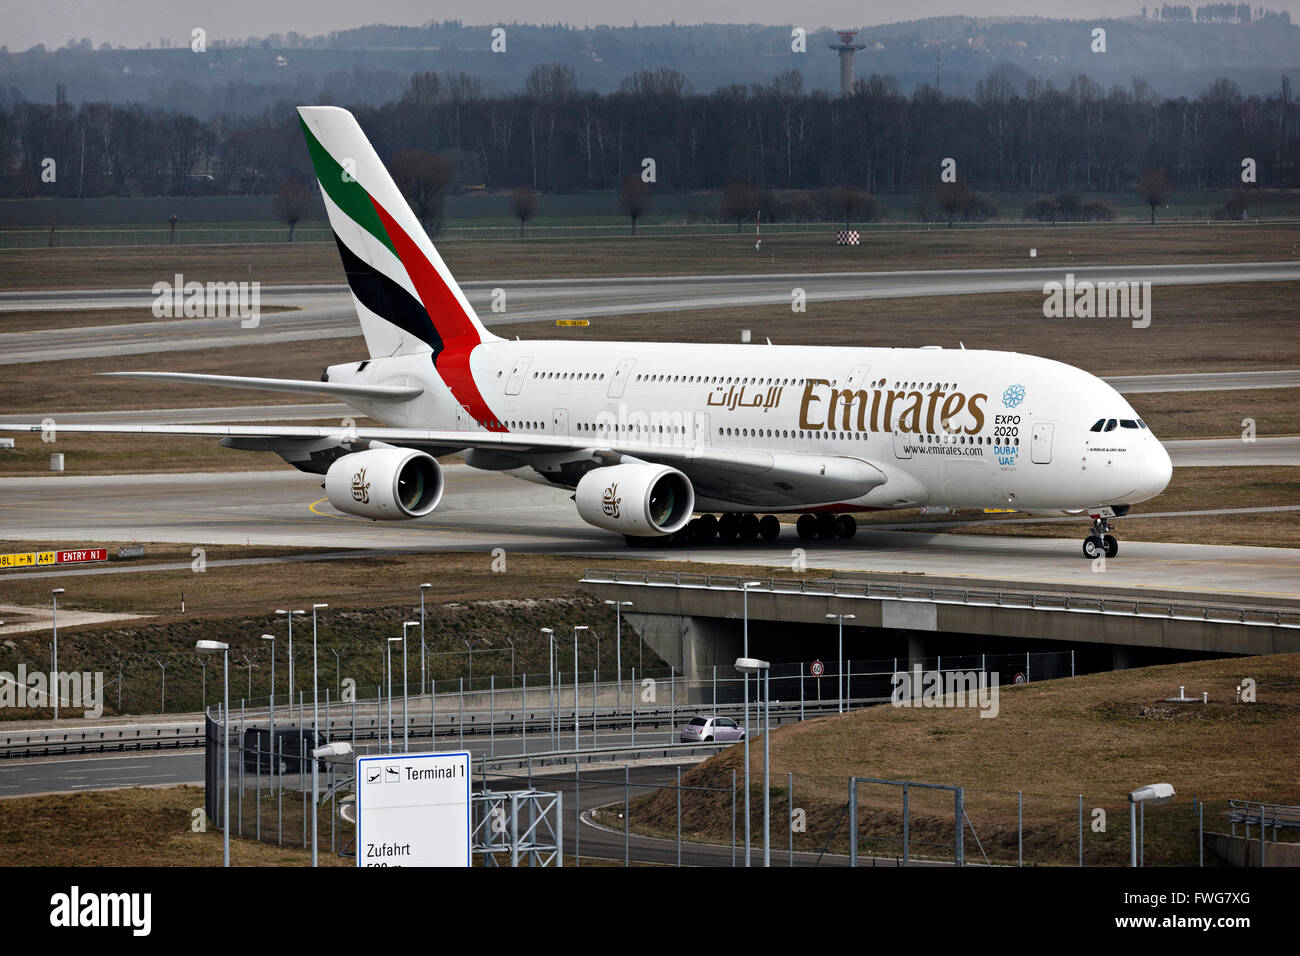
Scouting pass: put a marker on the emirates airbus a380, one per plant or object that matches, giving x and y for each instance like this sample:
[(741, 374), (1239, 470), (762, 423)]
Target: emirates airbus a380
[(648, 435)]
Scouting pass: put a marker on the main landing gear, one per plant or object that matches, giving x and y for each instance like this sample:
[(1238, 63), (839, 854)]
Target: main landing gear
[(1100, 541), (750, 528)]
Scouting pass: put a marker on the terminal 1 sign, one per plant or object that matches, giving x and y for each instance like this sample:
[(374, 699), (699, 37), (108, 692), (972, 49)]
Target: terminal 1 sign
[(413, 810)]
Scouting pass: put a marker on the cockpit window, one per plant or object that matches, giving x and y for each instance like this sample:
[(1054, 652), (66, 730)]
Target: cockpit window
[(1110, 425), (1127, 423), (1142, 424), (1097, 427)]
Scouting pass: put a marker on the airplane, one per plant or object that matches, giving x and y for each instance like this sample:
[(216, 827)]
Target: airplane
[(667, 440)]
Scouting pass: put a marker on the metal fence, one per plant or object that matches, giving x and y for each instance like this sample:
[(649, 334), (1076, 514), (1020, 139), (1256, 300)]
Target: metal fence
[(74, 236)]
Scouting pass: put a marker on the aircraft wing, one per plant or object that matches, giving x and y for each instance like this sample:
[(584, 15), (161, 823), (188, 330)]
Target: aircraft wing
[(759, 478)]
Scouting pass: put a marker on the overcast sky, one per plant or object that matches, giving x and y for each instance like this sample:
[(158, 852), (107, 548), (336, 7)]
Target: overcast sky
[(24, 23)]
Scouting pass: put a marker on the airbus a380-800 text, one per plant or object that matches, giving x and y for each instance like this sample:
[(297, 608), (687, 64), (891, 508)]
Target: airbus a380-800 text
[(662, 439)]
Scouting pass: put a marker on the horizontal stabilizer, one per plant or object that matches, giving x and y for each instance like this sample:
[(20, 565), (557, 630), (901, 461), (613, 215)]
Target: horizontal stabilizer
[(375, 393)]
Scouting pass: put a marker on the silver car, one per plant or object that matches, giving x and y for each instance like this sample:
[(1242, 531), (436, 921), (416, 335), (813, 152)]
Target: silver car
[(706, 729)]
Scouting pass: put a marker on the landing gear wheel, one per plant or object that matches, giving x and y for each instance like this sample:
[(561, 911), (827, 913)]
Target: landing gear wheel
[(846, 526), (1100, 540), (748, 527), (727, 527), (682, 536), (826, 526), (705, 528), (769, 527), (806, 527)]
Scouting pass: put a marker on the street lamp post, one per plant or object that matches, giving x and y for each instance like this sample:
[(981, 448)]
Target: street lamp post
[(315, 726), (618, 641), (423, 588), (204, 665), (471, 661), (550, 663), (162, 694), (744, 587), (406, 745), (290, 615), (271, 638), (576, 629), (839, 673), (389, 648), (250, 676), (211, 647), (54, 676), (1154, 794), (747, 666), (511, 642)]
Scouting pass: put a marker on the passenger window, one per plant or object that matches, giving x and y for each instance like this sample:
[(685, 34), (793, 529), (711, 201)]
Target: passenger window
[(1097, 427)]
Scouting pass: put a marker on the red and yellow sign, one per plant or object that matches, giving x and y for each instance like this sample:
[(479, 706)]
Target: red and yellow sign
[(39, 558)]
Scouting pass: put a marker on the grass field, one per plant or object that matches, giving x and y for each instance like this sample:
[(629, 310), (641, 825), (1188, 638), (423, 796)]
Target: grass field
[(143, 827), (1099, 735), (937, 248)]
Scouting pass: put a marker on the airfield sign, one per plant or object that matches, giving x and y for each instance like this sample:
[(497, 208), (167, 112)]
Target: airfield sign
[(413, 810)]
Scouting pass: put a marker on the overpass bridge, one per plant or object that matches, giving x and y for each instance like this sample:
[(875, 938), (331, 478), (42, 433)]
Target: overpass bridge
[(695, 621)]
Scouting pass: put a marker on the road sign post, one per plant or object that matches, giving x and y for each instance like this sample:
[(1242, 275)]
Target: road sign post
[(413, 810)]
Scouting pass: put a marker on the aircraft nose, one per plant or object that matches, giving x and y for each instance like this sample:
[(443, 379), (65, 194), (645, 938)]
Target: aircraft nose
[(1157, 469)]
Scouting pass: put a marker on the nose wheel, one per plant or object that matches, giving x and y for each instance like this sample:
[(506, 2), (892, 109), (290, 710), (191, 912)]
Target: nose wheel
[(1100, 541)]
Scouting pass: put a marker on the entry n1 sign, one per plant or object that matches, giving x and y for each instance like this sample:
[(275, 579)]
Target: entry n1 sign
[(413, 810)]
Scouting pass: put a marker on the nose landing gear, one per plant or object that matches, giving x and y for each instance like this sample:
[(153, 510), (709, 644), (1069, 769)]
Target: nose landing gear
[(1100, 541)]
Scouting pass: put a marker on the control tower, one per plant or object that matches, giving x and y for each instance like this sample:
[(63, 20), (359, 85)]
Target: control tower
[(846, 48)]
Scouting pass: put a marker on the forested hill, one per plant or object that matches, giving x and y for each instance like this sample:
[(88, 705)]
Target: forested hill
[(1179, 50)]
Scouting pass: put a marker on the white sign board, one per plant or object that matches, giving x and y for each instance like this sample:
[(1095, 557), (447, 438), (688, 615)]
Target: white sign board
[(413, 810)]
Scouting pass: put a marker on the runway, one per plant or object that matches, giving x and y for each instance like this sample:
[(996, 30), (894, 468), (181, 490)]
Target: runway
[(325, 311), (482, 511)]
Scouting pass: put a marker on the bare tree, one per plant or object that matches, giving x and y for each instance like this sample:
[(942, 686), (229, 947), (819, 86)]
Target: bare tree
[(739, 201), (1154, 188), (523, 203), (425, 179), (634, 199), (290, 203)]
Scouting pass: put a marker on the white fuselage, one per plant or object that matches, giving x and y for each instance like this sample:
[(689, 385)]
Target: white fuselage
[(958, 428)]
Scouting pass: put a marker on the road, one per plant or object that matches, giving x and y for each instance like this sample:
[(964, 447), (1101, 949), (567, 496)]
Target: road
[(482, 511), (327, 312)]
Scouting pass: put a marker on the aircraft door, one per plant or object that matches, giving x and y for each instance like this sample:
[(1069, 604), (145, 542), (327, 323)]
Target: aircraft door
[(902, 444), (701, 428), (464, 420), (857, 376), (1040, 449), (622, 372), (560, 421), (517, 375)]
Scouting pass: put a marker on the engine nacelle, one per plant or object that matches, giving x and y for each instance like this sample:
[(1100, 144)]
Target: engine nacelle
[(636, 498), (389, 484)]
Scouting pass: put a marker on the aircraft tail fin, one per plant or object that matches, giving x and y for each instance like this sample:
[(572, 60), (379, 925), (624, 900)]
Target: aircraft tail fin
[(406, 298)]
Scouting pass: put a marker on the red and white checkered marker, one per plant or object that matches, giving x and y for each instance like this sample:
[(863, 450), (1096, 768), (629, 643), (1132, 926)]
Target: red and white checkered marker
[(846, 237)]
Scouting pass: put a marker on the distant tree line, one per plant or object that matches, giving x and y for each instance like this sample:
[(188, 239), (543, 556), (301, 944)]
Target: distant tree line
[(444, 132)]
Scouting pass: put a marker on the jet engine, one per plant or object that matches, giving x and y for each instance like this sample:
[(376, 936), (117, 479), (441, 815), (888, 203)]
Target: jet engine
[(388, 484), (636, 498)]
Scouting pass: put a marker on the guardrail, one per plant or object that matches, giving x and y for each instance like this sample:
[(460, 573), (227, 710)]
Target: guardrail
[(368, 725), (1110, 604)]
